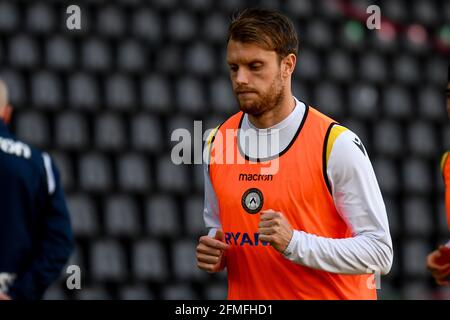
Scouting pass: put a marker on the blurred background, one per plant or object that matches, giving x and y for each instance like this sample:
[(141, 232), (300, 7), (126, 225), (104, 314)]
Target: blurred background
[(105, 99)]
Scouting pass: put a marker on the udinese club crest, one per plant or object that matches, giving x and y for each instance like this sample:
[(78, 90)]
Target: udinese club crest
[(252, 200)]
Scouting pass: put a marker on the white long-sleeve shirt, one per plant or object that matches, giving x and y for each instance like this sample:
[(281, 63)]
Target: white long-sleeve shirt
[(356, 195)]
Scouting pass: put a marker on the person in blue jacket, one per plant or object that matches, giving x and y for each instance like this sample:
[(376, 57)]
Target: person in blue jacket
[(36, 239)]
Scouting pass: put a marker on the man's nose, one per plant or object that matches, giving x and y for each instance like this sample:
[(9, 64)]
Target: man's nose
[(241, 77)]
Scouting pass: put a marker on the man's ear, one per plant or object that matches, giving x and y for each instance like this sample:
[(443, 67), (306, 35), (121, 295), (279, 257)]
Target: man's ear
[(288, 63), (6, 113)]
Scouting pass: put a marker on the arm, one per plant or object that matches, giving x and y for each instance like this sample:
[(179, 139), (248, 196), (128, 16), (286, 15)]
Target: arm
[(358, 200), (211, 255), (211, 206), (56, 241), (438, 261), (211, 250)]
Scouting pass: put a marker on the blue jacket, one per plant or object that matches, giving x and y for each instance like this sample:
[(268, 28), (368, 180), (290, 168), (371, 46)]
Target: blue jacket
[(36, 239)]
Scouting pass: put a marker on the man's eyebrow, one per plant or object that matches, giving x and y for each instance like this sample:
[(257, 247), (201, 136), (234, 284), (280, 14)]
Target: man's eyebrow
[(246, 62)]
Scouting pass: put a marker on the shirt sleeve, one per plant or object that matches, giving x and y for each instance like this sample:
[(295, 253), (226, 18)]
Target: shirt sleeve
[(54, 244), (358, 200), (211, 208), (211, 204)]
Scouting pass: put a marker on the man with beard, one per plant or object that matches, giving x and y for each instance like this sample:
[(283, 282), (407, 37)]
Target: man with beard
[(297, 213)]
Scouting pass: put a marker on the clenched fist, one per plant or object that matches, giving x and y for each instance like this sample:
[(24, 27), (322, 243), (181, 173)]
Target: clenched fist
[(210, 252), (440, 271), (275, 229)]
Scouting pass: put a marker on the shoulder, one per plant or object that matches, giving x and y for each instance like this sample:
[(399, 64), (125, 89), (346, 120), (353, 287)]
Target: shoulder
[(9, 144), (211, 135), (344, 147), (20, 152), (42, 163), (232, 121), (312, 111), (348, 161)]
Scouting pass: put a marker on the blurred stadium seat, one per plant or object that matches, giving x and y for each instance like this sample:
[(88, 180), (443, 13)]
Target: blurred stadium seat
[(33, 127), (150, 261), (162, 216), (84, 216), (135, 292), (110, 132), (83, 92), (179, 291), (121, 217), (108, 261)]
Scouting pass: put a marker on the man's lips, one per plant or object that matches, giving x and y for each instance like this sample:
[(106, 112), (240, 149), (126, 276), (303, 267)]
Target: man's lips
[(245, 92)]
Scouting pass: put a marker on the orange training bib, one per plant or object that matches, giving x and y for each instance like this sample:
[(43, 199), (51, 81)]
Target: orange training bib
[(299, 189)]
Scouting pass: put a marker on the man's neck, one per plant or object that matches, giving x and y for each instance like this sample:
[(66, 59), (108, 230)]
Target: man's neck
[(276, 115)]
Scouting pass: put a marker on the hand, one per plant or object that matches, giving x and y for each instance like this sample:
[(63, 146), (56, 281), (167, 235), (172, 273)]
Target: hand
[(4, 296), (275, 229), (210, 252), (439, 271)]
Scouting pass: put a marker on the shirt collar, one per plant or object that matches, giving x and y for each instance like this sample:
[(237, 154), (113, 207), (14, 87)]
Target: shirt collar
[(298, 110)]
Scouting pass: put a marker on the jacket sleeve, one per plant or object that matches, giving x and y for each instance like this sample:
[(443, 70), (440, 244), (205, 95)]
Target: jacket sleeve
[(54, 243)]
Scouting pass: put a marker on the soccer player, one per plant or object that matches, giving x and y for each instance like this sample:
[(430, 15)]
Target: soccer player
[(315, 228), (35, 234), (438, 261)]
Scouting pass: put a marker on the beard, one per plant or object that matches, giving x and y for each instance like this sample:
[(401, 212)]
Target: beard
[(260, 103)]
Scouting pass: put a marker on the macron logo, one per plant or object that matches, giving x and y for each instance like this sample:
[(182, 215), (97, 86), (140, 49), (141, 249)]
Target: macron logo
[(255, 177), (359, 145)]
